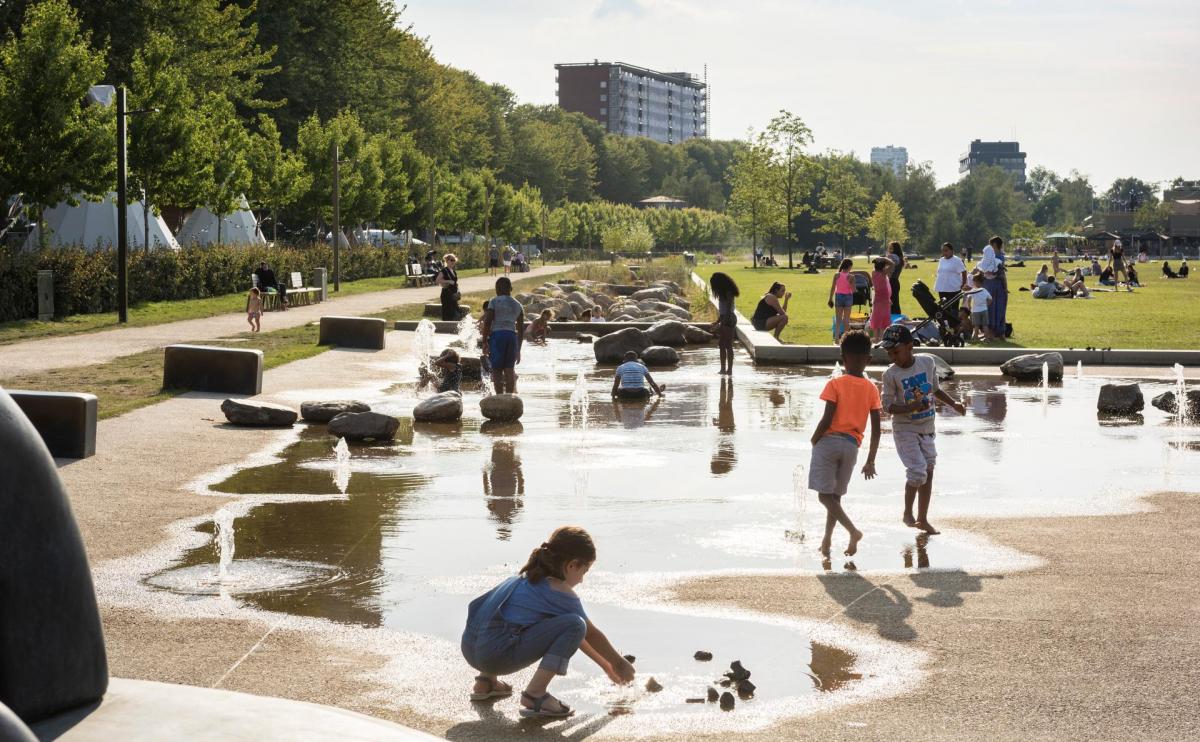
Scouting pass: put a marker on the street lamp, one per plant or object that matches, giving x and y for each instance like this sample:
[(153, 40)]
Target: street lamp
[(122, 206), (337, 218)]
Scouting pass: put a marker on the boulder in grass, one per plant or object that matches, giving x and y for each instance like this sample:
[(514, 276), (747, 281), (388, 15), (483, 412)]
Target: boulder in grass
[(669, 332), (660, 355), (364, 426), (1028, 367), (695, 336), (503, 408), (322, 411), (1120, 399), (440, 408), (611, 348), (258, 414)]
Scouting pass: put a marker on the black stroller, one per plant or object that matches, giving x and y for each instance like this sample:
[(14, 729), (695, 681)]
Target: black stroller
[(940, 315)]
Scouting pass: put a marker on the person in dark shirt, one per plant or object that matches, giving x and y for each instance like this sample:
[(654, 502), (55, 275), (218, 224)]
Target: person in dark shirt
[(266, 280)]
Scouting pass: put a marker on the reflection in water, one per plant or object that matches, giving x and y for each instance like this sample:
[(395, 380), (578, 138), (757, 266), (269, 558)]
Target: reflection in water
[(634, 413), (503, 486), (725, 456), (922, 553), (831, 667)]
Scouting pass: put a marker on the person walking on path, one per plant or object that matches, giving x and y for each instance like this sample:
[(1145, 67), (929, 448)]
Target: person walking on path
[(724, 288), (537, 617), (504, 328), (447, 280), (951, 279), (995, 280), (896, 255), (493, 260), (770, 314)]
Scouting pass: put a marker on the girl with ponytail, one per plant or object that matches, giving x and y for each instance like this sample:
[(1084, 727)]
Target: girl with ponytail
[(537, 617)]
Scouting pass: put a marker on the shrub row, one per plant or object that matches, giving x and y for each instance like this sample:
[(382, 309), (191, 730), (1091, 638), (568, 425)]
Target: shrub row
[(85, 281)]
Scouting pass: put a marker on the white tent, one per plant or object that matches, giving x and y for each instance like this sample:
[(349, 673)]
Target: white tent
[(238, 228), (93, 225)]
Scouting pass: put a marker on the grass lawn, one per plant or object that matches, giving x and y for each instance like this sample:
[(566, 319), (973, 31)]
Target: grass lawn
[(1161, 314), (134, 381), (161, 312)]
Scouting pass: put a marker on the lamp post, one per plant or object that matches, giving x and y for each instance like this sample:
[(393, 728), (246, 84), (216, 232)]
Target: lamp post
[(337, 222), (123, 206)]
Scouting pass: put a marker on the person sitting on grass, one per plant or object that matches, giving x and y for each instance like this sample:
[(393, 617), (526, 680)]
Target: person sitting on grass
[(849, 400), (539, 328), (1041, 276), (537, 617), (632, 377), (1134, 281), (450, 370), (1183, 268), (1047, 289), (1167, 272), (1074, 283)]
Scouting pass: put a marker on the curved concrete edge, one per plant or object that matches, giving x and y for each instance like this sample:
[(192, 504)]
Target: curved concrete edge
[(146, 711), (765, 349)]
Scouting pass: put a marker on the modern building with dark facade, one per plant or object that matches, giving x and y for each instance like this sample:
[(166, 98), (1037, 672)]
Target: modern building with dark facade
[(668, 107), (1006, 155)]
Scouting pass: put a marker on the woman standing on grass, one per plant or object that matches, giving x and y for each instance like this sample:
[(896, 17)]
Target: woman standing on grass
[(896, 255), (726, 291), (447, 279), (995, 280)]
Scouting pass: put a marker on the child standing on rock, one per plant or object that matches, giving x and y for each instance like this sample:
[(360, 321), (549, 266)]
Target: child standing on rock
[(910, 385), (537, 616), (849, 400)]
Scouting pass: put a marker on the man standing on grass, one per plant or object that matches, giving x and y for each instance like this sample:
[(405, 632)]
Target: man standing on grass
[(504, 328)]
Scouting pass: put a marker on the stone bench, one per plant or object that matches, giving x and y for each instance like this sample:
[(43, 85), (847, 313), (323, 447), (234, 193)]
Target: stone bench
[(206, 368), (66, 421), (435, 310), (353, 332)]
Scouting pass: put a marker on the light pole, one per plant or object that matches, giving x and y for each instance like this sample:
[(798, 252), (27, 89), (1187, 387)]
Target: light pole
[(337, 222), (123, 207)]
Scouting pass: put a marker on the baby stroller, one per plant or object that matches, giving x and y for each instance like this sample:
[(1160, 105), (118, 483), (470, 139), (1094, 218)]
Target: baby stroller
[(941, 316)]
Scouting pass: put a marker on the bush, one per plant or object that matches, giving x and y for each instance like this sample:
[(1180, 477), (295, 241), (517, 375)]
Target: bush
[(85, 281)]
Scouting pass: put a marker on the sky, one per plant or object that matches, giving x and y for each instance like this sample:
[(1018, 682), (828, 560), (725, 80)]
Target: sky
[(1111, 89)]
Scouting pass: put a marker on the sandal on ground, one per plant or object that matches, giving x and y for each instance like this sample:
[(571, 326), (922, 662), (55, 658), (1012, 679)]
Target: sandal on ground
[(494, 690), (538, 712)]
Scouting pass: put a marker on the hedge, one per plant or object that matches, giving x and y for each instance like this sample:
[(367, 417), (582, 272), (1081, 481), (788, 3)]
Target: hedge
[(85, 281)]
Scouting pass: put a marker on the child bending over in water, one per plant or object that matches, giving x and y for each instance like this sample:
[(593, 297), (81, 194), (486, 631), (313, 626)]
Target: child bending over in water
[(539, 327), (450, 369), (536, 617), (849, 399)]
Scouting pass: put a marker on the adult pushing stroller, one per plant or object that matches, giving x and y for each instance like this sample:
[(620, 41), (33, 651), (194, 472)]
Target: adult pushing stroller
[(940, 316)]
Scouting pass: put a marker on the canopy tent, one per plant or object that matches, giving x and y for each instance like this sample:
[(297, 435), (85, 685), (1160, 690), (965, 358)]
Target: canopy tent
[(1064, 236), (93, 225), (238, 228)]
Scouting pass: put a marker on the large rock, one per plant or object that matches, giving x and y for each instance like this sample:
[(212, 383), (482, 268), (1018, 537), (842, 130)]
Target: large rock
[(669, 284), (660, 355), (1120, 399), (1029, 367), (612, 347), (322, 411), (659, 293), (364, 426), (1167, 402), (578, 297), (258, 414), (440, 408), (663, 307), (602, 300), (694, 335), (670, 332), (504, 408), (679, 301), (946, 371)]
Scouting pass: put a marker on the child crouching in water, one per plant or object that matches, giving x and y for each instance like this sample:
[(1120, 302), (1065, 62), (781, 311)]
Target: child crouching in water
[(536, 617), (849, 399), (254, 309)]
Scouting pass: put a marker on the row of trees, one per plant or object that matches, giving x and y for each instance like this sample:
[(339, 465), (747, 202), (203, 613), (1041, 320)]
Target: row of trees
[(252, 97)]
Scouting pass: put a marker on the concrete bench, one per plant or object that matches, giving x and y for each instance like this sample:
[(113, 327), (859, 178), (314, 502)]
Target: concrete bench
[(205, 368), (66, 421), (353, 332)]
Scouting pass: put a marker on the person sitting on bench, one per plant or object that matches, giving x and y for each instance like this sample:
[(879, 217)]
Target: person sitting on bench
[(266, 280)]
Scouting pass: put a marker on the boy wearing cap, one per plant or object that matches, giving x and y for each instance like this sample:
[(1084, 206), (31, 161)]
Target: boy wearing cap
[(849, 400), (910, 385)]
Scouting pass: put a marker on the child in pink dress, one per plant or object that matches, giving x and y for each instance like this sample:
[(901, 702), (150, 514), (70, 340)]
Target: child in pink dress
[(881, 312)]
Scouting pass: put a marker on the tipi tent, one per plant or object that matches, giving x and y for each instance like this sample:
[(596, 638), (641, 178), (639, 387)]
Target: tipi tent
[(238, 228), (93, 225)]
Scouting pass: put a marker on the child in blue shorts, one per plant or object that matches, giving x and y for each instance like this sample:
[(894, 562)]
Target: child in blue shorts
[(504, 328)]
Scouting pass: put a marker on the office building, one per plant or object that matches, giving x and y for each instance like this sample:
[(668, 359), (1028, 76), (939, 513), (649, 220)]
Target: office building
[(668, 107), (1005, 155), (894, 157)]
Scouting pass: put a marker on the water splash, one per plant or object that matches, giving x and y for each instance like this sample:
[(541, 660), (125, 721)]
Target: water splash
[(485, 385), (1079, 370), (223, 537), (468, 333), (423, 344), (799, 490), (1181, 398), (837, 370), (580, 402), (1045, 382), (341, 472), (553, 364)]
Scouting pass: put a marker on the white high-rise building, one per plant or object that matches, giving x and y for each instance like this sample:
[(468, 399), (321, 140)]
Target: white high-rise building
[(894, 157)]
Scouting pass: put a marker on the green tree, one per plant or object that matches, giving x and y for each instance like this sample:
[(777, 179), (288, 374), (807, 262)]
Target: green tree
[(56, 147), (886, 223), (1127, 194), (751, 200), (278, 179), (1027, 234), (785, 137), (842, 206), (622, 170), (1152, 214), (224, 169)]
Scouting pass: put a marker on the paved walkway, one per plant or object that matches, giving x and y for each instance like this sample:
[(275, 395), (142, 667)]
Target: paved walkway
[(100, 347)]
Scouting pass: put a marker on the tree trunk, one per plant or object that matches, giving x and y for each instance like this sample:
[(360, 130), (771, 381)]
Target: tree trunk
[(274, 226), (218, 230), (146, 222)]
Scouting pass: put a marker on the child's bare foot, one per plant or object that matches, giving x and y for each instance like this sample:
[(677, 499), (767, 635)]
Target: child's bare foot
[(926, 527), (909, 520), (825, 548), (852, 547)]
